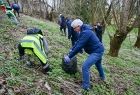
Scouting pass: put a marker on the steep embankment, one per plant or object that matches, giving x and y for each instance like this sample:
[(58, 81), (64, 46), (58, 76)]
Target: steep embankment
[(122, 73)]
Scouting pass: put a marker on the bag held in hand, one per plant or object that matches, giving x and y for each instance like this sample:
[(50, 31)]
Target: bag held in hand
[(70, 68)]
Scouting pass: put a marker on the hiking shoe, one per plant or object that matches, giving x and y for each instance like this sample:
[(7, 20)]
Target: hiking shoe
[(89, 88), (46, 68)]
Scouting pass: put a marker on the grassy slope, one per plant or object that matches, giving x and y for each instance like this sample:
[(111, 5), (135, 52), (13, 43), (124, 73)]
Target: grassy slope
[(122, 72)]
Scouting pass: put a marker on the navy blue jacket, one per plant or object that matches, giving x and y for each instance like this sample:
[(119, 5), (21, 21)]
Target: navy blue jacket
[(87, 40), (71, 33), (16, 7)]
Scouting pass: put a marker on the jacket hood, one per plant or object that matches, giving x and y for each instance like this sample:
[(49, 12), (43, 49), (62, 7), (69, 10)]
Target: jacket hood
[(86, 27)]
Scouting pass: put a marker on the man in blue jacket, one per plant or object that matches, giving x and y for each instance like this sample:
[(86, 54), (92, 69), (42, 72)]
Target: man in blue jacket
[(90, 43), (71, 33)]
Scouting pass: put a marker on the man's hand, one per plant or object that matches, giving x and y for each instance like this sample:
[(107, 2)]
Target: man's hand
[(66, 59), (70, 50)]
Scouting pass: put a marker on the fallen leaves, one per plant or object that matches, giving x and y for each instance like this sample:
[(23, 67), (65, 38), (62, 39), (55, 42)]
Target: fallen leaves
[(44, 86), (2, 85)]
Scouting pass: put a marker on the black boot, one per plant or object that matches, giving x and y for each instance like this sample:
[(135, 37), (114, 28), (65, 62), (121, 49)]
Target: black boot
[(46, 68)]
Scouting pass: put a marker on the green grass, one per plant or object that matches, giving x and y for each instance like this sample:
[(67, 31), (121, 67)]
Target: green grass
[(122, 72)]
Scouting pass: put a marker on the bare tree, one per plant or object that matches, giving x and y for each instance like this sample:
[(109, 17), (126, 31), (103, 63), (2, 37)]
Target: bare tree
[(137, 43), (123, 25), (8, 2)]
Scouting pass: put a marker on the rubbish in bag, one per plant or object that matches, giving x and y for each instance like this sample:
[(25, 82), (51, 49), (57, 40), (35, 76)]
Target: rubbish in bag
[(70, 68)]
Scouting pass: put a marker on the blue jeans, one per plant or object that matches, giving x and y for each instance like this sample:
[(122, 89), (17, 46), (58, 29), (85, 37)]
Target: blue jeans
[(94, 58)]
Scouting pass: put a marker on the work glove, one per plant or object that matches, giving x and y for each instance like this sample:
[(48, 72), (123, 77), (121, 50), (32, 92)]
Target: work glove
[(70, 50), (66, 59)]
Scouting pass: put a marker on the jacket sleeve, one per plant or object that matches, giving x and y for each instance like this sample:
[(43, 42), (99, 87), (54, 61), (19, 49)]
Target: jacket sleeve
[(69, 32), (45, 44), (83, 38)]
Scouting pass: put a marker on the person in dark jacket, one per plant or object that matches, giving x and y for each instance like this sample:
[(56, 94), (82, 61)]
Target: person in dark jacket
[(91, 44), (62, 23), (16, 8), (71, 33), (98, 31)]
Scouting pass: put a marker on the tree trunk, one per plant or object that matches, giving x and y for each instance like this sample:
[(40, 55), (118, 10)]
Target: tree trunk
[(117, 40), (22, 5), (137, 44), (16, 1), (122, 31), (8, 2), (115, 43), (106, 16)]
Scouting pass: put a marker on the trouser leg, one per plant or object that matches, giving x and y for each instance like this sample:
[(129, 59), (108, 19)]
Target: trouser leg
[(99, 67), (91, 60)]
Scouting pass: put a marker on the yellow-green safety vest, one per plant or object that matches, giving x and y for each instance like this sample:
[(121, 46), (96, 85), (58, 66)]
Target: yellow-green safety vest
[(34, 41)]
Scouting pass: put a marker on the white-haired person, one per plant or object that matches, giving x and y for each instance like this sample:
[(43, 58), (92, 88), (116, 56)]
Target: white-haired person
[(88, 41)]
